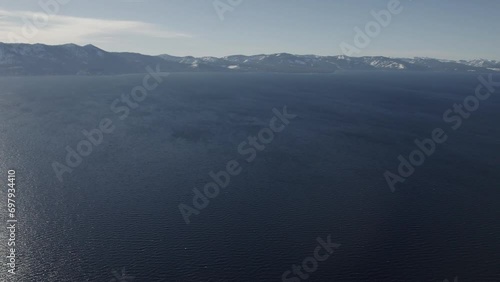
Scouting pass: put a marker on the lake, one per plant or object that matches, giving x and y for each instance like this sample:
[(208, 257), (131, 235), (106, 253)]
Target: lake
[(116, 214)]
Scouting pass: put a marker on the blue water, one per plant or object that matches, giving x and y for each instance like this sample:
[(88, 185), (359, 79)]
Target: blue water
[(322, 175)]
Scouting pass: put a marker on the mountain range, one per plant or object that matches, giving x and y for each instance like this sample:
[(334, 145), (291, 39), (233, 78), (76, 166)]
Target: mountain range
[(72, 59)]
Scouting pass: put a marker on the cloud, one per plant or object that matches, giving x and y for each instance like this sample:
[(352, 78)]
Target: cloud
[(30, 27)]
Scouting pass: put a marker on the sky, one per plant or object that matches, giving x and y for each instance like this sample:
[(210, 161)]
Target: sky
[(445, 29)]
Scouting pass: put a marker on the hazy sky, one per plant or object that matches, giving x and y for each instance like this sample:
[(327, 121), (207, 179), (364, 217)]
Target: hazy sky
[(448, 29)]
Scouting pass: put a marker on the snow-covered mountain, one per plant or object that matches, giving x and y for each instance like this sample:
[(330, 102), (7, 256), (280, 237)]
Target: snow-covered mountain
[(482, 63), (284, 62), (39, 59)]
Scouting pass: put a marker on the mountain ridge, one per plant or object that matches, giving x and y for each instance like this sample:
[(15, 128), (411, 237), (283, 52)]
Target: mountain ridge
[(72, 59)]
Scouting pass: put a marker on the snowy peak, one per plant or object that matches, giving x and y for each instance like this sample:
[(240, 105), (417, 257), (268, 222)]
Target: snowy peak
[(39, 59), (285, 62), (482, 63)]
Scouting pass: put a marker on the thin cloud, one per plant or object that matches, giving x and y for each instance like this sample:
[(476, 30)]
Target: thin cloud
[(62, 29)]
